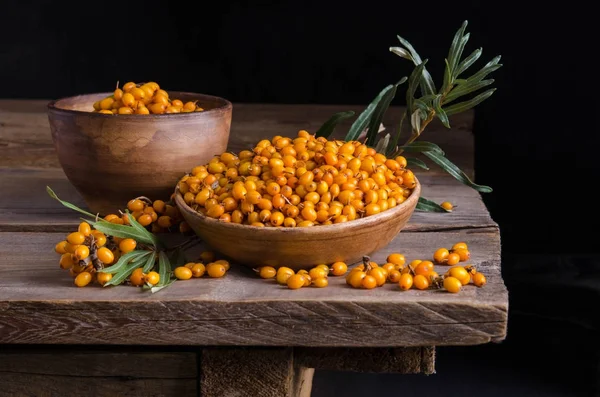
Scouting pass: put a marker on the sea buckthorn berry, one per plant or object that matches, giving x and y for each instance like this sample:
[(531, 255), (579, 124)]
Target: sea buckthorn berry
[(424, 268), (165, 221), (295, 281), (222, 262), (136, 205), (152, 278), (267, 272), (379, 274), (460, 273), (105, 255), (99, 237), (396, 259), (76, 238), (317, 272), (420, 282), (441, 255), (447, 206), (453, 259), (215, 270), (369, 282), (320, 282), (460, 246), (394, 276), (463, 254), (145, 219), (389, 267), (137, 278), (339, 268), (406, 282), (83, 279), (127, 245), (59, 248), (82, 252), (198, 270), (479, 279), (66, 261), (103, 278), (84, 228), (355, 278), (452, 284), (183, 273)]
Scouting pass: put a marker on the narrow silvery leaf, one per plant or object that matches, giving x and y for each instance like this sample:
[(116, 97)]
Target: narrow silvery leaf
[(415, 56), (465, 89), (392, 148), (415, 162), (123, 260), (379, 112), (466, 105), (401, 52), (164, 269), (430, 206), (67, 204), (468, 61), (487, 69), (329, 126), (413, 83), (440, 112), (362, 120), (422, 146), (119, 277), (415, 121), (427, 85), (447, 78), (459, 52), (453, 170), (382, 144), (453, 53)]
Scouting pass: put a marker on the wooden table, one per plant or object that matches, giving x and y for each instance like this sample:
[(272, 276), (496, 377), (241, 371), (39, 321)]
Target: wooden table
[(237, 336)]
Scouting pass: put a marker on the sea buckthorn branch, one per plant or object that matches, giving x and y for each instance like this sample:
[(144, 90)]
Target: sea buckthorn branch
[(422, 110)]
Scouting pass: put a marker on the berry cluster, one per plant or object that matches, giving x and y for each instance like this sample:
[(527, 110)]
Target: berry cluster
[(305, 181), (213, 268), (317, 276), (159, 216), (143, 98), (86, 251)]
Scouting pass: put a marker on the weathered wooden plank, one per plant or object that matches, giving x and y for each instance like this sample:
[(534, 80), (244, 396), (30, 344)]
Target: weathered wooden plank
[(39, 304), (25, 139), (24, 384), (404, 360), (79, 362), (25, 205)]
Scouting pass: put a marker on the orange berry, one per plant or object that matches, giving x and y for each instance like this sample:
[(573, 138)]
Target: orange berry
[(137, 277), (441, 255), (453, 259), (479, 279), (406, 282), (105, 255), (76, 238), (127, 245), (152, 278), (103, 278), (339, 268), (215, 270), (420, 282), (452, 284), (198, 270), (320, 282), (84, 228), (83, 279), (183, 273)]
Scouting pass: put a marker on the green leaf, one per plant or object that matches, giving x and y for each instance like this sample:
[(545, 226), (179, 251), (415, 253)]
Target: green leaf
[(427, 85), (415, 162), (401, 52), (421, 105), (67, 204), (128, 269), (363, 119), (468, 61), (453, 170), (456, 48), (430, 206), (415, 121), (379, 112), (440, 112), (465, 89), (382, 144), (123, 231), (149, 263), (143, 231), (466, 105), (413, 83), (392, 148), (447, 78), (124, 260), (329, 126), (422, 146), (156, 288), (164, 269), (461, 47), (491, 66)]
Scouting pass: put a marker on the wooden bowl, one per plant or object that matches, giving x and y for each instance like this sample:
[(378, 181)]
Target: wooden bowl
[(111, 159), (301, 247)]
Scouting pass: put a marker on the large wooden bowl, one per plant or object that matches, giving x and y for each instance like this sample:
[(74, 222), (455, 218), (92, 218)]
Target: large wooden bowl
[(301, 247), (111, 159)]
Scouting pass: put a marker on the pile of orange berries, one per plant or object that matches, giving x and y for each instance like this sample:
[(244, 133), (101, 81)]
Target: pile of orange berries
[(304, 181), (213, 268), (86, 251), (316, 277), (143, 98), (159, 216)]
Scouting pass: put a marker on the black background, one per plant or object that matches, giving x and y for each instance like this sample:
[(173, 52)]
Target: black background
[(536, 137)]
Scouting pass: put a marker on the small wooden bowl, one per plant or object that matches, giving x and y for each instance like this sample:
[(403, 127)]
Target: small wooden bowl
[(301, 247), (111, 159)]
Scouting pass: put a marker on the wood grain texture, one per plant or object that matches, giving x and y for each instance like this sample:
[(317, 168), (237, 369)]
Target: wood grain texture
[(39, 304), (404, 360), (248, 373), (111, 159), (53, 372), (25, 139), (26, 207), (301, 247)]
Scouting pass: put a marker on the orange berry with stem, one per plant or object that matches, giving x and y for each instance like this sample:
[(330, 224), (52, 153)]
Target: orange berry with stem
[(441, 255), (320, 282), (295, 281), (369, 282), (339, 268), (406, 281), (103, 278), (479, 279), (460, 246), (452, 284), (463, 254), (152, 278), (137, 277), (198, 270), (453, 259)]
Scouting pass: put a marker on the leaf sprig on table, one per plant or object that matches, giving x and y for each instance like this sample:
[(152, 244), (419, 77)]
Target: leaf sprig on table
[(424, 103)]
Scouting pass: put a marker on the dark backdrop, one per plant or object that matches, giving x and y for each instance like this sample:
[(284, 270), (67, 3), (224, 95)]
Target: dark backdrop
[(536, 138)]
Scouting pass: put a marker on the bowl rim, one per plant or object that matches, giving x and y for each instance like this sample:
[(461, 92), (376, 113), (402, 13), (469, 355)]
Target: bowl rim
[(411, 201), (225, 107)]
